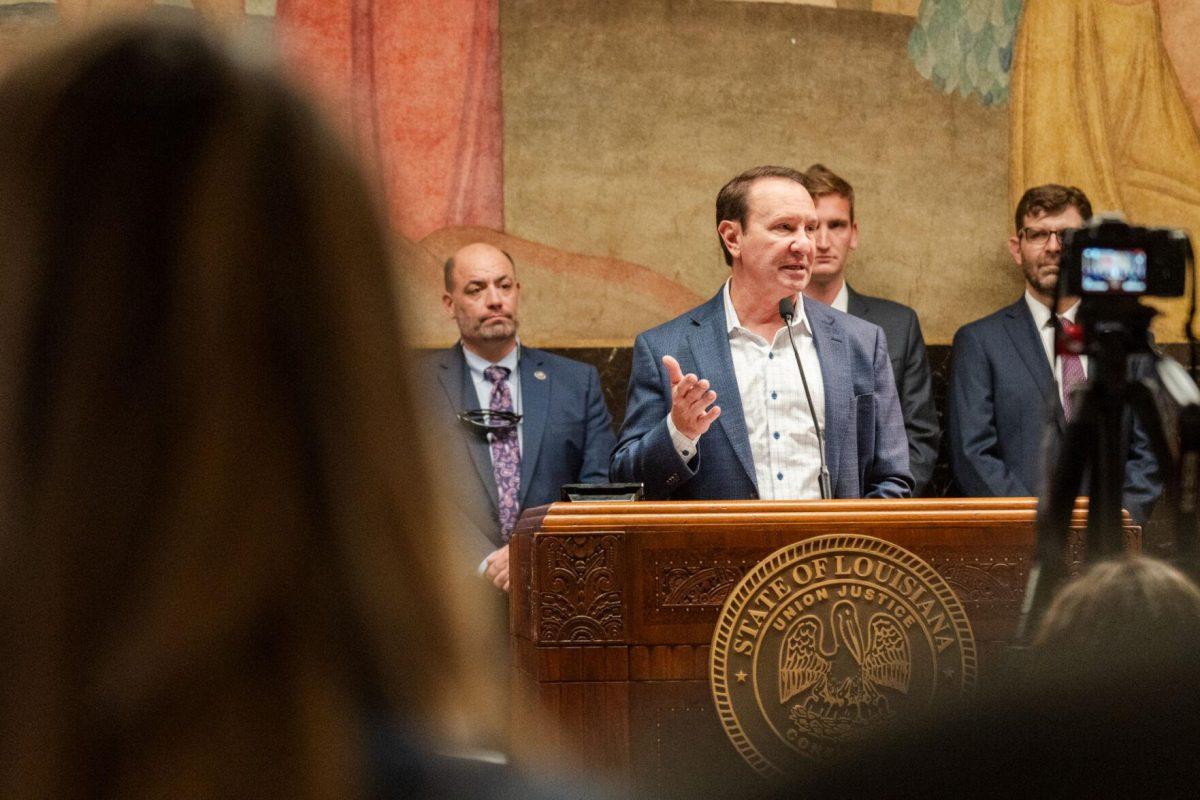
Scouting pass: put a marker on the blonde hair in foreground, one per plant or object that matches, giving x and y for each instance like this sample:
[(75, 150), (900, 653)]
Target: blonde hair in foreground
[(1129, 612), (219, 550)]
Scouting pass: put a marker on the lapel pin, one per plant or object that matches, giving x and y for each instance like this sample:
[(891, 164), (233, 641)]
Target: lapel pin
[(541, 376)]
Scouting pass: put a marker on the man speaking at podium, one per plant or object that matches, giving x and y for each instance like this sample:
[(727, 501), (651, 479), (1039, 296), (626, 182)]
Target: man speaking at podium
[(718, 406)]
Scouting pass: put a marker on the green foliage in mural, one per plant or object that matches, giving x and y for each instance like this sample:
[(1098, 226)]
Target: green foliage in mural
[(966, 46)]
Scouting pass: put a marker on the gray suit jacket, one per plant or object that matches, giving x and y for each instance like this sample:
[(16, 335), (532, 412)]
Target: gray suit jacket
[(914, 384), (566, 431), (865, 443)]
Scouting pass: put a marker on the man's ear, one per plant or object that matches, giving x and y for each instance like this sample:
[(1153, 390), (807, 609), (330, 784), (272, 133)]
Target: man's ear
[(448, 305), (853, 236), (730, 232), (1014, 248)]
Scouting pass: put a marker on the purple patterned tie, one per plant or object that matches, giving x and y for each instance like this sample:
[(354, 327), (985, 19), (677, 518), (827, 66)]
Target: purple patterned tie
[(506, 452), (1072, 376)]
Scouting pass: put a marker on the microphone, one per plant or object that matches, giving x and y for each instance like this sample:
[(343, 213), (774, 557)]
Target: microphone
[(787, 310)]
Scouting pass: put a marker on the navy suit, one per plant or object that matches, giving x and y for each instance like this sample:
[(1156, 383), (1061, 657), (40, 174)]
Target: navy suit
[(566, 431), (914, 385), (865, 445), (1005, 414)]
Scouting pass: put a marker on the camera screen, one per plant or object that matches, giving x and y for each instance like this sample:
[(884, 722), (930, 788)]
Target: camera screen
[(1106, 271)]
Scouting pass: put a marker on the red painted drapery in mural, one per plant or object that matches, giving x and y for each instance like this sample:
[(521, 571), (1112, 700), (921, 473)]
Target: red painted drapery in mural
[(418, 85)]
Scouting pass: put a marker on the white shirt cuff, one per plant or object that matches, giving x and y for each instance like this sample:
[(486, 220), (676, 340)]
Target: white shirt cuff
[(685, 448)]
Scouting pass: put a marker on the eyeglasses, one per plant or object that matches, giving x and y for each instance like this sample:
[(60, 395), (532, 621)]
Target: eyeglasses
[(489, 421), (1040, 237)]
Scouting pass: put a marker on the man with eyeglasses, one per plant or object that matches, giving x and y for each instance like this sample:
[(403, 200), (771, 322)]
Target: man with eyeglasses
[(1010, 394), (524, 421)]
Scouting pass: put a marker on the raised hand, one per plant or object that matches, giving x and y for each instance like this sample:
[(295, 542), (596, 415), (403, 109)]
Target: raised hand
[(690, 400)]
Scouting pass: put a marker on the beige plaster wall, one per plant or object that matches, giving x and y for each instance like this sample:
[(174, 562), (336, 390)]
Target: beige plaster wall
[(623, 119)]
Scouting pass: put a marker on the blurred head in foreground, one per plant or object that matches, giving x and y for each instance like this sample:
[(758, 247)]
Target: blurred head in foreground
[(1125, 614), (1107, 706), (219, 558)]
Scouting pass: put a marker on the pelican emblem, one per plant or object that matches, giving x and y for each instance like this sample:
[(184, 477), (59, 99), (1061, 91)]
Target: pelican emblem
[(839, 692), (827, 640)]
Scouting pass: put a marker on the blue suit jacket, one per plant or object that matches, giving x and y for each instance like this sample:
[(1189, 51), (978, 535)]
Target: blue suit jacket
[(567, 434), (914, 381), (1005, 416), (865, 443)]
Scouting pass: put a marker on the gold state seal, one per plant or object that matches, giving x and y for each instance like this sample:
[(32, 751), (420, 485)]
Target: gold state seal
[(829, 637)]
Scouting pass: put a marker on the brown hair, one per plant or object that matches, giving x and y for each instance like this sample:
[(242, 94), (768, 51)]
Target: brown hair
[(731, 200), (1122, 613), (1051, 198), (217, 552), (821, 181)]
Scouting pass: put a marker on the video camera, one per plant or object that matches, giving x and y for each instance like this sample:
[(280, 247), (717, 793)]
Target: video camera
[(1109, 265), (1109, 258)]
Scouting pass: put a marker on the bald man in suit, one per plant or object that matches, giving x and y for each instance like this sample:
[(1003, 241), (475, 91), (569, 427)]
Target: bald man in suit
[(565, 430)]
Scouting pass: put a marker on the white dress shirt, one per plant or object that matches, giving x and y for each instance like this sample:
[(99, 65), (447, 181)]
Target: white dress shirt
[(783, 440), (1041, 320), (483, 387), (842, 301)]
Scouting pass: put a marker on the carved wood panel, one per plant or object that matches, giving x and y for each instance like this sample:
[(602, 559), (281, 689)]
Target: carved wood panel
[(578, 595), (691, 585), (986, 579)]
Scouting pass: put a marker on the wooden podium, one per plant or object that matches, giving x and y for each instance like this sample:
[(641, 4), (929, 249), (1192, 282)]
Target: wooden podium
[(613, 608)]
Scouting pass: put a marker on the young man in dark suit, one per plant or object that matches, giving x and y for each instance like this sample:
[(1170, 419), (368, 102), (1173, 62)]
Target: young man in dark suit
[(1010, 394), (565, 430), (836, 239)]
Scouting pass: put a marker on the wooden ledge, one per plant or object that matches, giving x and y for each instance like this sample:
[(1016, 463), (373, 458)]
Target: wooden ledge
[(961, 512)]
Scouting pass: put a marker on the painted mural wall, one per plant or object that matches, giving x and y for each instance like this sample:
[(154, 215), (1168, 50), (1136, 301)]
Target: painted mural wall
[(589, 138), (1106, 95), (621, 123)]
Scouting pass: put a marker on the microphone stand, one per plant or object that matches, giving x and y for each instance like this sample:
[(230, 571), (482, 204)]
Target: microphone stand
[(787, 310)]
